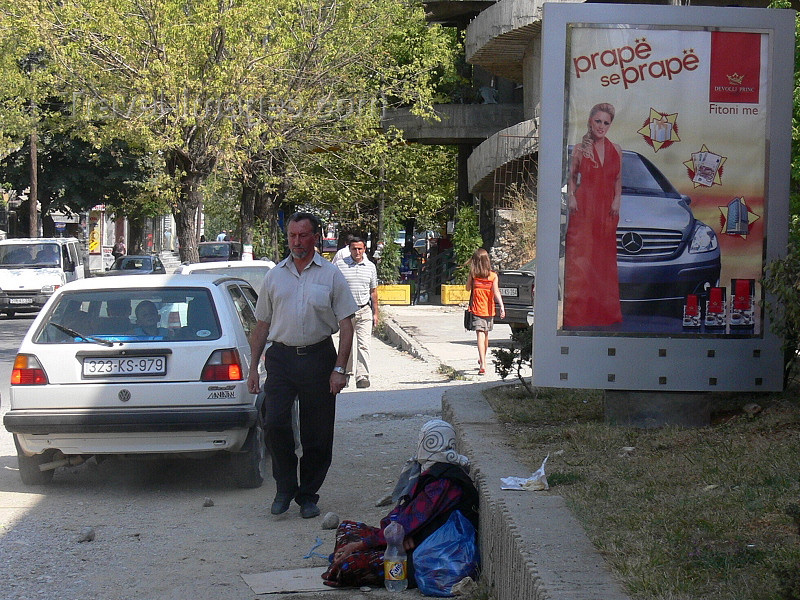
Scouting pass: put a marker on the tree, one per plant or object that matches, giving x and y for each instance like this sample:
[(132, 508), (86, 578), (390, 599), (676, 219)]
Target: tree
[(781, 276), (355, 59), (416, 181), (74, 176)]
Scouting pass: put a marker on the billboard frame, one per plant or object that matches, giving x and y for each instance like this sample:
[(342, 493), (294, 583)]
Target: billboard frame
[(624, 361)]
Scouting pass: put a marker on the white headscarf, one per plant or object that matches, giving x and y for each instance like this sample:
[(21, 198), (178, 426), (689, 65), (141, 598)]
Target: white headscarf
[(436, 444)]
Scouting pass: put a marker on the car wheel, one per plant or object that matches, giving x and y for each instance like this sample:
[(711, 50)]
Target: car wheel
[(29, 466), (250, 463)]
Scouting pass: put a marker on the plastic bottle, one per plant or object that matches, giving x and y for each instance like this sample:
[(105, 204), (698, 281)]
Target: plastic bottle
[(394, 558)]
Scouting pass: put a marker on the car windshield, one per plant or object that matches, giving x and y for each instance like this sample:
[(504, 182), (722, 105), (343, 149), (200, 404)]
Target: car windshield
[(28, 255), (213, 250), (254, 275), (130, 315), (133, 263), (640, 177)]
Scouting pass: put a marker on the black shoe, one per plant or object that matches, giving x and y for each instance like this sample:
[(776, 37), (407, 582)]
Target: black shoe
[(281, 503), (309, 509)]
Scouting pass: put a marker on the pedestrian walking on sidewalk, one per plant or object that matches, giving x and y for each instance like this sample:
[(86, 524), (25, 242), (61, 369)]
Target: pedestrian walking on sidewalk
[(362, 277), (301, 303), (484, 292)]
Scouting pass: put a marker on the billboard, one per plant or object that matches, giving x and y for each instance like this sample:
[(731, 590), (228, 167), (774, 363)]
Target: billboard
[(663, 191)]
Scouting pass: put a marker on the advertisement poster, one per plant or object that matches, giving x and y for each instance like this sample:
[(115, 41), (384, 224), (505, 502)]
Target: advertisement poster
[(664, 181)]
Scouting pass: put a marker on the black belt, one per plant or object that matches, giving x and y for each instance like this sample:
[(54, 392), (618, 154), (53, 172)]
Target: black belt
[(301, 350), (363, 305)]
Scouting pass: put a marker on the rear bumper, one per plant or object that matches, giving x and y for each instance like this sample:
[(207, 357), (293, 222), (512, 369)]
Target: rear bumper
[(515, 315), (83, 421), (23, 303)]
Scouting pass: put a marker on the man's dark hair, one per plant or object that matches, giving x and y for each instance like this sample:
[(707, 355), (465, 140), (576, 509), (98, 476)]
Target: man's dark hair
[(316, 226), (355, 238)]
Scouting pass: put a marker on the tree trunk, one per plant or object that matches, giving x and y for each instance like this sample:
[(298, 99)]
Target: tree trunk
[(191, 172), (33, 217), (184, 213), (247, 214), (135, 235)]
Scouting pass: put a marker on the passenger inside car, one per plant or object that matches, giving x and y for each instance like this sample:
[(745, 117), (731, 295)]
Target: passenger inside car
[(147, 320), (118, 320)]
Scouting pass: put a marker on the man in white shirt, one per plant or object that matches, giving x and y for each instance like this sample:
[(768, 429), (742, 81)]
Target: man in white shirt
[(362, 277), (302, 302)]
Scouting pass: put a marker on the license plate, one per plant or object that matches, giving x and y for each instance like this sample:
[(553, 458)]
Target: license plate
[(20, 300), (133, 365), (513, 292)]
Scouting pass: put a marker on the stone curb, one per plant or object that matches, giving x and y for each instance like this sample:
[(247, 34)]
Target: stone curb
[(393, 333), (532, 547)]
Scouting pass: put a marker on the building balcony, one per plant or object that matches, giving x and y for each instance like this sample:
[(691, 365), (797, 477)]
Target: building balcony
[(508, 157), (456, 123)]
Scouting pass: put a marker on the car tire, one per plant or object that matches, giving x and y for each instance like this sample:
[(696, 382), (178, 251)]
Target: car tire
[(29, 467), (250, 463)]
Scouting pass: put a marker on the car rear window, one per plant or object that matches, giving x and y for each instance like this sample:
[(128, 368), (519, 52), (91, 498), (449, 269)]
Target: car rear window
[(98, 316)]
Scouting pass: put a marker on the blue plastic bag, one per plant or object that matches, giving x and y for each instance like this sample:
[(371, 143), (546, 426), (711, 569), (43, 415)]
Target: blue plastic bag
[(446, 556)]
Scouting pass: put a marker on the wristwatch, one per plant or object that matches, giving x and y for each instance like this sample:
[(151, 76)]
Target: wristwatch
[(339, 370)]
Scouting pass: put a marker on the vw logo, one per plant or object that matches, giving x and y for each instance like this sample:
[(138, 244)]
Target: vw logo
[(124, 395), (632, 242)]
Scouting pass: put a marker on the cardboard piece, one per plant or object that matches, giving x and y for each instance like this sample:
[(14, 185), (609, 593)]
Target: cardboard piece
[(285, 582)]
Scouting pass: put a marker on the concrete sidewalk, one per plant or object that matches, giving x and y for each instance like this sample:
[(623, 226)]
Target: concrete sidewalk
[(532, 546)]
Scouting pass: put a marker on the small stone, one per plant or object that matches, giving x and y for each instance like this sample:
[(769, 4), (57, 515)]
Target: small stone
[(208, 502), (751, 408), (87, 535), (365, 588), (331, 521), (385, 501)]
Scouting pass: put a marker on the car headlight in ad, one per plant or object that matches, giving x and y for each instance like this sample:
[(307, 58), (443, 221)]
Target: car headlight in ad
[(703, 239)]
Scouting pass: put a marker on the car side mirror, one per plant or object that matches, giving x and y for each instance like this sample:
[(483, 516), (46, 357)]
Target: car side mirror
[(686, 199), (69, 266)]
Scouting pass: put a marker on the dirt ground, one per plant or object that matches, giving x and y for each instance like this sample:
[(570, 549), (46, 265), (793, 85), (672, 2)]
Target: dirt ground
[(153, 538)]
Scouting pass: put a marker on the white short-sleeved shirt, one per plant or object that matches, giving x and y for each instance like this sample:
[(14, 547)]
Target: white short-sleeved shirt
[(361, 277), (303, 309)]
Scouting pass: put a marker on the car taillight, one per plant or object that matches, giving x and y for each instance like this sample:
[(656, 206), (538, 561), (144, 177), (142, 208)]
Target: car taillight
[(27, 371), (223, 365)]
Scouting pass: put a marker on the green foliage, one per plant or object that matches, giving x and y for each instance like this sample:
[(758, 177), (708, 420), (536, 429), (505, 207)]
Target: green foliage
[(519, 355), (416, 180), (389, 262), (780, 280), (466, 239)]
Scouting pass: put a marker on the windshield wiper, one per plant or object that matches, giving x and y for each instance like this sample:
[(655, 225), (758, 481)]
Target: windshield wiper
[(77, 334)]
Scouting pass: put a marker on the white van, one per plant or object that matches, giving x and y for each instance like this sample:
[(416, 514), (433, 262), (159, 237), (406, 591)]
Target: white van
[(31, 269)]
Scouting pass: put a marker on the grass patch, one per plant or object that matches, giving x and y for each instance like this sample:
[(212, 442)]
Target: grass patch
[(689, 514)]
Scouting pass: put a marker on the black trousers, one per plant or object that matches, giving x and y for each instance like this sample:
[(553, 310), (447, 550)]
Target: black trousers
[(306, 377)]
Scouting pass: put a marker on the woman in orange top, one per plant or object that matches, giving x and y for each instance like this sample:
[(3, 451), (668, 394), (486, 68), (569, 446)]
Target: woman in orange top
[(482, 283)]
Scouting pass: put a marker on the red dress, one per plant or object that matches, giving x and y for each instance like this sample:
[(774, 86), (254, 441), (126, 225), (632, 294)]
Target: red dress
[(591, 283)]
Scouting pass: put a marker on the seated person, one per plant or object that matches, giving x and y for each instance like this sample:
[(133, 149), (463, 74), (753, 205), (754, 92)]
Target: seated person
[(18, 256), (147, 319), (432, 485), (118, 319), (47, 256)]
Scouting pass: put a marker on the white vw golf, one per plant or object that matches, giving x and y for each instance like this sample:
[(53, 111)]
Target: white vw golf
[(140, 365)]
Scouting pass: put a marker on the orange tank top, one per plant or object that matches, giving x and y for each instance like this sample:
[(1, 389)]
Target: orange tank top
[(482, 296)]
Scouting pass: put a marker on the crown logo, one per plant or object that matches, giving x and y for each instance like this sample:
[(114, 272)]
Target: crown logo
[(735, 79)]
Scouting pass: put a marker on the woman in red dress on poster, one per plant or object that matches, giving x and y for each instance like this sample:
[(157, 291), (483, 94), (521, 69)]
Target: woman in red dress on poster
[(591, 283)]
